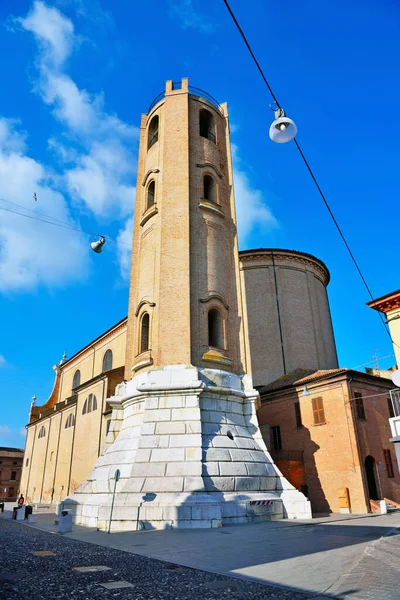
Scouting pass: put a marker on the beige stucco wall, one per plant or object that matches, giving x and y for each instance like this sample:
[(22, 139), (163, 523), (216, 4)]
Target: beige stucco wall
[(90, 360), (59, 462), (288, 316), (393, 318)]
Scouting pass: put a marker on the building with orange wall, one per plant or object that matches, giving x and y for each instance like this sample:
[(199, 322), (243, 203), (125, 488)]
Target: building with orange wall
[(329, 430)]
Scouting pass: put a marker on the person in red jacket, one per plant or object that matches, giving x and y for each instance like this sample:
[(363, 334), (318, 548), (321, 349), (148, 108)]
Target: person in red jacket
[(21, 500)]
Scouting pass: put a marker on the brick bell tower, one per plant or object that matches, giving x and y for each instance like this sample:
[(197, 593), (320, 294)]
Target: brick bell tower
[(184, 432), (183, 305)]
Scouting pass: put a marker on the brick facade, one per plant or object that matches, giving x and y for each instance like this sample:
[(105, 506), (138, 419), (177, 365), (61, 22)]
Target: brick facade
[(327, 453)]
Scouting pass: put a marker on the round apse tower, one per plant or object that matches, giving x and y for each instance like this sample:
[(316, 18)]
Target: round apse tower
[(289, 323)]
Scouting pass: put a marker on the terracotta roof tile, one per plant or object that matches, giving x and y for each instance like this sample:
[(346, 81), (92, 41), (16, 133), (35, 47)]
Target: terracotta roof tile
[(299, 377)]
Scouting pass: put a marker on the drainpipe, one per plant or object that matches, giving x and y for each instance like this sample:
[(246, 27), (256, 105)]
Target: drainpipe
[(45, 460), (279, 314), (56, 464), (101, 416), (72, 448), (30, 463), (354, 422)]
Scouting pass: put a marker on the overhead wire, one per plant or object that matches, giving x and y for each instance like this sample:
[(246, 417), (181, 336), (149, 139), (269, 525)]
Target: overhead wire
[(307, 166), (372, 361)]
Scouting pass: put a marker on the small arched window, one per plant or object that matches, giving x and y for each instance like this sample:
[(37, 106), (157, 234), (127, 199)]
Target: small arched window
[(144, 332), (153, 132), (70, 421), (107, 361), (42, 432), (207, 125), (151, 194), (209, 189), (90, 404), (215, 329), (76, 380)]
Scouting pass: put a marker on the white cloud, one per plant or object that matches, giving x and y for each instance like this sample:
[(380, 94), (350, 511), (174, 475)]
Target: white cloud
[(32, 252), (189, 17), (124, 244), (100, 170), (251, 210), (53, 31), (3, 361)]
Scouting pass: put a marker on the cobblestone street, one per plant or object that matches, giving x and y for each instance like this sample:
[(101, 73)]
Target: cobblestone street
[(52, 575)]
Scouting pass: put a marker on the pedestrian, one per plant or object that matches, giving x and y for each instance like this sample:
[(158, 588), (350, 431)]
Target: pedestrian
[(21, 500)]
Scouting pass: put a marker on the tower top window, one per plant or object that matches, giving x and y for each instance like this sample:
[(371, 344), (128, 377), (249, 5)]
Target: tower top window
[(151, 194), (215, 329), (144, 333), (209, 189), (207, 125), (153, 132)]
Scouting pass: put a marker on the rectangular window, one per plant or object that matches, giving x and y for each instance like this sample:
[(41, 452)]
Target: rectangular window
[(13, 475), (11, 491), (298, 414), (360, 412), (390, 407), (27, 462), (388, 462), (276, 437), (318, 410)]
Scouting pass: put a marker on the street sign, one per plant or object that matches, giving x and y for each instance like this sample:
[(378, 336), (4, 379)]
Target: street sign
[(117, 475)]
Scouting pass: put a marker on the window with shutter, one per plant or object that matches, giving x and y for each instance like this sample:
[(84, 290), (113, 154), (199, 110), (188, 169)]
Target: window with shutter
[(360, 412), (318, 411), (276, 437)]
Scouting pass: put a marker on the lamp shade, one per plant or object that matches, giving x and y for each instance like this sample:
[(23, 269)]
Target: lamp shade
[(97, 245), (282, 130)]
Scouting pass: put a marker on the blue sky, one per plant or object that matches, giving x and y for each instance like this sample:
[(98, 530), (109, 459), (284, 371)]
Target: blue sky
[(76, 76)]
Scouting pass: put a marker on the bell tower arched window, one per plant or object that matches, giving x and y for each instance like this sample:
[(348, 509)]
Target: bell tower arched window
[(215, 329), (153, 132), (107, 361), (209, 189), (77, 379), (151, 194), (207, 125), (144, 332)]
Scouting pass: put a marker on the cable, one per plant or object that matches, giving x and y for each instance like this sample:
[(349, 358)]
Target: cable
[(309, 169), (371, 361), (36, 212), (59, 224)]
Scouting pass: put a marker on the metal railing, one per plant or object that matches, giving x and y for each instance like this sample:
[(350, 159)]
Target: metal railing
[(177, 85), (395, 399)]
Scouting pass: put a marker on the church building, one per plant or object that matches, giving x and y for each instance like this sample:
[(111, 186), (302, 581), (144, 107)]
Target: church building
[(168, 395)]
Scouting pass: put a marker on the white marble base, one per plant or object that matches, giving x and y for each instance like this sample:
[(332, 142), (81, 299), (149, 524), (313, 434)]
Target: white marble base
[(190, 454)]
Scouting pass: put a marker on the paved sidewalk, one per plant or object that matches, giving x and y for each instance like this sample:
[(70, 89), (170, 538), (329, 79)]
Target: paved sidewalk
[(352, 557)]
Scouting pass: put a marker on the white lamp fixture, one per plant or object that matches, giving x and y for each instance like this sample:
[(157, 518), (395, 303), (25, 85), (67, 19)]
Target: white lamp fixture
[(305, 391), (97, 245), (283, 129)]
